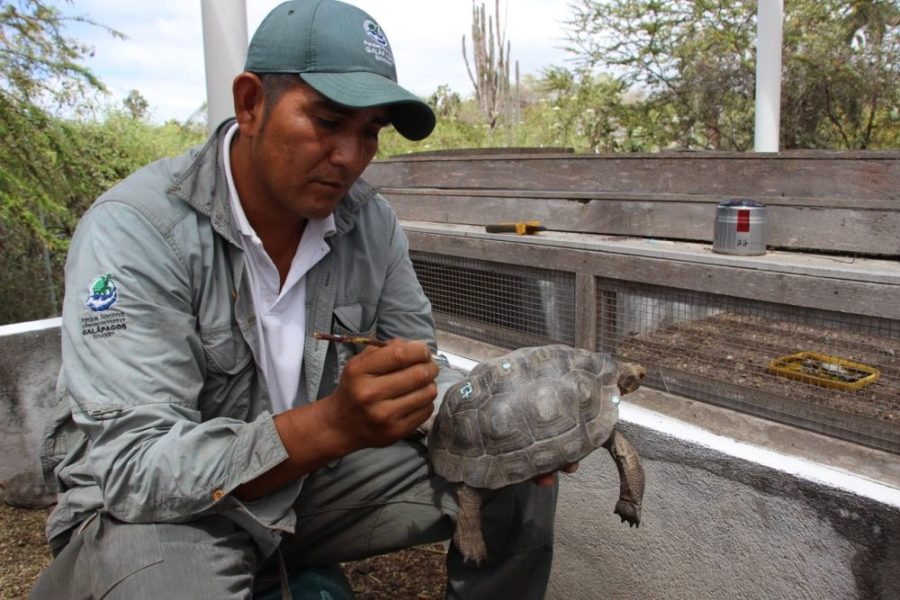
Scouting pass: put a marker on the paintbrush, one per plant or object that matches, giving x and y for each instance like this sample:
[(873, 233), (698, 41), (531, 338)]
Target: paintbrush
[(355, 339)]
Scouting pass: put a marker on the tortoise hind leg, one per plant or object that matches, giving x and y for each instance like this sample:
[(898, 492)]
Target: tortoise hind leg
[(631, 478), (467, 537)]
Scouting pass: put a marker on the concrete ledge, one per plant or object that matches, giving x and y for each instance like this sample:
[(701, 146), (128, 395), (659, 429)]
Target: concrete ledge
[(29, 365), (28, 326)]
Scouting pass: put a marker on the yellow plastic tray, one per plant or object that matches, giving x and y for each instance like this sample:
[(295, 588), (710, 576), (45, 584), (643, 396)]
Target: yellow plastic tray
[(825, 370)]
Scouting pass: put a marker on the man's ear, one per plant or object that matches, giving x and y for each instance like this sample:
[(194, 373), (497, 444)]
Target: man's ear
[(249, 102)]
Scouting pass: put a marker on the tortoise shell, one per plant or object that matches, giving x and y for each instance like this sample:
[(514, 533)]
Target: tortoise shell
[(526, 413)]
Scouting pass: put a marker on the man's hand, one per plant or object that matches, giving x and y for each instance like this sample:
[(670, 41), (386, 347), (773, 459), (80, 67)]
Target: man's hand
[(548, 479), (384, 394)]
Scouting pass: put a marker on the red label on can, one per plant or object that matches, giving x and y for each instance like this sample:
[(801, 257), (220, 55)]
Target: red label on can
[(743, 221)]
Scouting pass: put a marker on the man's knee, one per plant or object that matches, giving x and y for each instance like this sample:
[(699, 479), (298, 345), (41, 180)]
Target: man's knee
[(210, 558), (519, 518)]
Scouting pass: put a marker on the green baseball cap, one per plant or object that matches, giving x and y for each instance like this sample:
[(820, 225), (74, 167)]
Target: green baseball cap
[(343, 54)]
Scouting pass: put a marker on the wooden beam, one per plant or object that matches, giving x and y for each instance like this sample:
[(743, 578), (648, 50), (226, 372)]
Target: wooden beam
[(849, 175), (811, 290), (586, 311), (870, 229)]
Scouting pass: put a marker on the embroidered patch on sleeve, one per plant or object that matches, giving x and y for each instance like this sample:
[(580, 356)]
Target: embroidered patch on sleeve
[(103, 322)]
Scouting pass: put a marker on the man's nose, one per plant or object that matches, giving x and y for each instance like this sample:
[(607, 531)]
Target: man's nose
[(348, 150)]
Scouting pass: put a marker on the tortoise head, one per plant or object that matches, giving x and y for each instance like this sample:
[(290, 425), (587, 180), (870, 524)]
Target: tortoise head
[(630, 377)]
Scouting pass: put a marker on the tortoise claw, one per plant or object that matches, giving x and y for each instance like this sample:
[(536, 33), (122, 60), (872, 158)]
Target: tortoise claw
[(629, 513)]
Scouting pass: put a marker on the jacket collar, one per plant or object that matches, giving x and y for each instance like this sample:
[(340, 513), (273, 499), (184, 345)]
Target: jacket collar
[(202, 185)]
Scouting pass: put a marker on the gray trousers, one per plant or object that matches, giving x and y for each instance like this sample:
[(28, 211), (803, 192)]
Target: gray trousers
[(371, 502)]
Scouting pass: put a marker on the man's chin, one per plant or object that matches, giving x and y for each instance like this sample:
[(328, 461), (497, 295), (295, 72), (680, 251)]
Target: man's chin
[(320, 208)]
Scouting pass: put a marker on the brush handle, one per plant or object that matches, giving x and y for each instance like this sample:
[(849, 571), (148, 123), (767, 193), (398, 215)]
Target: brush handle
[(348, 339), (355, 339)]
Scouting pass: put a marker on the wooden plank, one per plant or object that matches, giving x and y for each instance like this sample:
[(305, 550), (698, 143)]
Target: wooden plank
[(556, 152), (450, 195), (811, 291), (872, 270), (831, 175), (585, 311), (867, 232)]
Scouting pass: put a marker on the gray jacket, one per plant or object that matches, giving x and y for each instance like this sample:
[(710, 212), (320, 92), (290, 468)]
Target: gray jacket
[(162, 410)]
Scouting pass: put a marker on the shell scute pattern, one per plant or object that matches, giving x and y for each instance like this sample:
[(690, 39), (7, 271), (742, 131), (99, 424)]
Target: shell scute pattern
[(568, 414), (503, 426)]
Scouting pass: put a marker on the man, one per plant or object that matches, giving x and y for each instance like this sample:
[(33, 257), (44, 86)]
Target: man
[(204, 440)]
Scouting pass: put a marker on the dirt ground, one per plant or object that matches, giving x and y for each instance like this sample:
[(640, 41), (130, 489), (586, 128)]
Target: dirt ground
[(414, 574), (23, 550)]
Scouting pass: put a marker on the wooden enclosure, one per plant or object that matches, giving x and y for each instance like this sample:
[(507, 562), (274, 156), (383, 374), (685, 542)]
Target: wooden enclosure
[(626, 266)]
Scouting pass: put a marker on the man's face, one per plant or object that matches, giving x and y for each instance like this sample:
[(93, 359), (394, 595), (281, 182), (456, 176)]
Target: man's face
[(309, 151)]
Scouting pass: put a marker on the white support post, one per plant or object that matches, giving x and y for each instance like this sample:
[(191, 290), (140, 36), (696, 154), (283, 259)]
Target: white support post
[(770, 17), (224, 51)]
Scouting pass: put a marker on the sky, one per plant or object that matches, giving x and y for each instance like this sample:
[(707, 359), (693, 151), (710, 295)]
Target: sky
[(163, 55)]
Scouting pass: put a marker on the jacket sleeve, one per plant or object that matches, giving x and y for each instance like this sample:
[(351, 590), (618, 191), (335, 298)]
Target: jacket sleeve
[(134, 368), (405, 312)]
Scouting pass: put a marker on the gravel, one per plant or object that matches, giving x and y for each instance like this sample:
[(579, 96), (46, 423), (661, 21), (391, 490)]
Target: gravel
[(414, 574), (23, 550)]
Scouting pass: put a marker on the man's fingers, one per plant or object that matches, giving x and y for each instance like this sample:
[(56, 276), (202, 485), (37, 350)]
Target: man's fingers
[(545, 480), (394, 356), (550, 478), (397, 384), (399, 417)]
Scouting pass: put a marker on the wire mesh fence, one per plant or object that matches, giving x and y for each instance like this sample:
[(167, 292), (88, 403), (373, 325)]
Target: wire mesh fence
[(504, 305), (831, 372)]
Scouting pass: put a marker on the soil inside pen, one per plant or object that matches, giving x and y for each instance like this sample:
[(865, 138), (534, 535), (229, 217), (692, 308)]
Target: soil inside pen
[(414, 574), (737, 349)]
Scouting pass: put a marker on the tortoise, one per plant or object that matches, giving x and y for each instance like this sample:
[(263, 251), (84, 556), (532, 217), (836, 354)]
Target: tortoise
[(528, 413)]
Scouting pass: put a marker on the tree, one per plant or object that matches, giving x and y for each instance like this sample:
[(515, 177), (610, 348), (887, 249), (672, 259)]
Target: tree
[(56, 156), (843, 75), (39, 71), (591, 113), (136, 105), (696, 61), (491, 54)]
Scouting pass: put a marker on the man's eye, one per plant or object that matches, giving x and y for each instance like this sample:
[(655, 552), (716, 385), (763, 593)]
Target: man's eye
[(328, 123)]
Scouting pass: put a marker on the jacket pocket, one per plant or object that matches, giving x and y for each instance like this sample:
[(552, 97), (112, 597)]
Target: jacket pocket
[(349, 320), (62, 442), (226, 350)]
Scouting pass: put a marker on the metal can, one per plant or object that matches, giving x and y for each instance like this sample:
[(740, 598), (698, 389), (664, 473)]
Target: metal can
[(741, 227)]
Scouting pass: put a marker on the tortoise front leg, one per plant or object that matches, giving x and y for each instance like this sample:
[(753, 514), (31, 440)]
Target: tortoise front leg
[(468, 537), (631, 478)]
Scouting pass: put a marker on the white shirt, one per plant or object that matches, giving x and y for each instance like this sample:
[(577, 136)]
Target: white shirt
[(280, 315)]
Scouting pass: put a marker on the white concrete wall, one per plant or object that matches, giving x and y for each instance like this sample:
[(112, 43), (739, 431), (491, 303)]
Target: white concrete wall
[(715, 525), (722, 517), (29, 364)]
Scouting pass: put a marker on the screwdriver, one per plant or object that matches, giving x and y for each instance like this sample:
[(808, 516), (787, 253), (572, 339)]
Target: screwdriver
[(519, 228)]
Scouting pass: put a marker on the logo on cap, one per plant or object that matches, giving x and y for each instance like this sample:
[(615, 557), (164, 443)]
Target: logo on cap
[(375, 32)]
